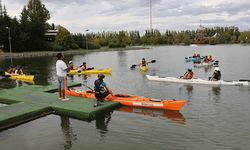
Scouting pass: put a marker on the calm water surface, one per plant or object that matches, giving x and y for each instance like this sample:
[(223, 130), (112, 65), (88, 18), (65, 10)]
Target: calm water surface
[(214, 117)]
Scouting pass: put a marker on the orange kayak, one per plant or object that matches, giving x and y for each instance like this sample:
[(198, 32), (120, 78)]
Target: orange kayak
[(131, 100)]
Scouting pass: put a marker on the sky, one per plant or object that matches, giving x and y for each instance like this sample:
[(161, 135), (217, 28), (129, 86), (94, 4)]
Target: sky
[(115, 15)]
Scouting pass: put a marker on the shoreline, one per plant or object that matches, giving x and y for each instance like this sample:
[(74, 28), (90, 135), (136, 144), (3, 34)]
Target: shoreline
[(50, 53)]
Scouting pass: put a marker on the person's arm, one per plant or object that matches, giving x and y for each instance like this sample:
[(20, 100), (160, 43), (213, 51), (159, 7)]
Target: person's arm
[(109, 90), (140, 63)]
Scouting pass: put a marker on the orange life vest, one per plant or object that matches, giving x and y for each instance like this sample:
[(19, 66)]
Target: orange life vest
[(84, 67), (192, 74), (19, 71)]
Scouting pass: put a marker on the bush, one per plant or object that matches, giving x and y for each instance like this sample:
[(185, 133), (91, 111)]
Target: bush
[(79, 43), (57, 47), (111, 45), (74, 46), (212, 41), (117, 45), (123, 45), (91, 45), (49, 46)]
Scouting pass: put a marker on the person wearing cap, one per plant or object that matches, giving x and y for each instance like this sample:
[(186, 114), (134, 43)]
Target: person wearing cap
[(189, 74), (18, 71), (84, 67), (143, 62), (11, 70), (216, 76), (71, 65), (101, 89), (210, 58), (61, 71)]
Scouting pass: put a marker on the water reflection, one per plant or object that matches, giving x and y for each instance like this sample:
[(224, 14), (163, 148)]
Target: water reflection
[(174, 115), (189, 91), (102, 124), (69, 136), (216, 92)]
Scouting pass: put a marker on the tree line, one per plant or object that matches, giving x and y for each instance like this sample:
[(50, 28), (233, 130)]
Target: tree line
[(27, 33)]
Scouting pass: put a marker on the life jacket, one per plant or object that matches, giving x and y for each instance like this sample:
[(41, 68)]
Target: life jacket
[(71, 68), (192, 74), (143, 63), (99, 88), (206, 60), (11, 71), (84, 67), (19, 71), (210, 58)]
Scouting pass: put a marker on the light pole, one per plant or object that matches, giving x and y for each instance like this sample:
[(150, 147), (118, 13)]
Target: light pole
[(9, 38), (86, 39)]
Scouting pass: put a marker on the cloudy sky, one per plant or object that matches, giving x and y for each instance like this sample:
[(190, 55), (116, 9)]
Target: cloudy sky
[(128, 15)]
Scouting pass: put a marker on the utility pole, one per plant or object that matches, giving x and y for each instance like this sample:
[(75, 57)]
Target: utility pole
[(9, 39), (86, 39)]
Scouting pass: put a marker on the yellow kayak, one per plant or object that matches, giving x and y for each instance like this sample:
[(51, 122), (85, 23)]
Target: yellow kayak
[(24, 77), (93, 71), (144, 68)]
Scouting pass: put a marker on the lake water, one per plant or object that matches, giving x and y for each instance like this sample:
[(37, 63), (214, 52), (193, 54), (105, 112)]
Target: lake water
[(214, 117)]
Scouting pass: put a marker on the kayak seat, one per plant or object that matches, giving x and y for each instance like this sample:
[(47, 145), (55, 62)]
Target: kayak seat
[(120, 95), (155, 100)]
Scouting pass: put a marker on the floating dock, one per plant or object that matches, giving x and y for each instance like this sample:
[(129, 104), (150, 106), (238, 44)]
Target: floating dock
[(33, 101)]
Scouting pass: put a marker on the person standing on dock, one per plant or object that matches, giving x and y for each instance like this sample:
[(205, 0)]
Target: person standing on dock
[(61, 71)]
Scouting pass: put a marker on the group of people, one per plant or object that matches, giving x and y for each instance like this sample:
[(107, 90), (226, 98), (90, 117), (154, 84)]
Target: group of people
[(83, 66), (101, 89), (16, 71), (216, 75)]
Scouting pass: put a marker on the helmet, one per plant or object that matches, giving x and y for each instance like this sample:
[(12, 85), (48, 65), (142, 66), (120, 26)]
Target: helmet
[(217, 69), (190, 69), (84, 63), (143, 58), (210, 55), (70, 62), (11, 66), (101, 75)]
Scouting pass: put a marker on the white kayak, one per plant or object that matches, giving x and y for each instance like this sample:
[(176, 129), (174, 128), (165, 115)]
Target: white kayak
[(197, 81), (199, 64)]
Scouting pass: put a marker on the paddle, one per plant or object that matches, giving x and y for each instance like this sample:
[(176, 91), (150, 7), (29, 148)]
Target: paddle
[(88, 87), (244, 80), (133, 66)]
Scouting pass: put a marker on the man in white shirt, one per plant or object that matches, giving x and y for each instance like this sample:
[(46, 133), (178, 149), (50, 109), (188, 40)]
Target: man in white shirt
[(61, 71)]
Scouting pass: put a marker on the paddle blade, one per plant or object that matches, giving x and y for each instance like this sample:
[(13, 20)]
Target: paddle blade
[(153, 61), (133, 66), (244, 80), (7, 76)]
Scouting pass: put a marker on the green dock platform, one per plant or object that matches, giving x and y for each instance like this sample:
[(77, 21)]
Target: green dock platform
[(30, 102)]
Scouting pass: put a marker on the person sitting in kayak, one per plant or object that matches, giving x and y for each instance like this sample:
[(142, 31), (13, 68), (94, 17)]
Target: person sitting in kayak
[(101, 89), (194, 56), (210, 58), (206, 60), (18, 71), (71, 66), (11, 70), (143, 63), (84, 67), (189, 74), (198, 56), (216, 76)]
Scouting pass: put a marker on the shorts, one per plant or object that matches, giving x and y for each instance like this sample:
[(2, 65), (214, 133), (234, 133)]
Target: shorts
[(101, 95), (62, 82)]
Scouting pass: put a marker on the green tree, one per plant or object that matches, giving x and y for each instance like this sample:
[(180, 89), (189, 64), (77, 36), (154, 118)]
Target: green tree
[(63, 37), (33, 21), (186, 40)]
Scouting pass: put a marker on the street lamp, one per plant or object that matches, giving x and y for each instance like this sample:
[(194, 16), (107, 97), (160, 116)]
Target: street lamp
[(9, 38), (86, 39)]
